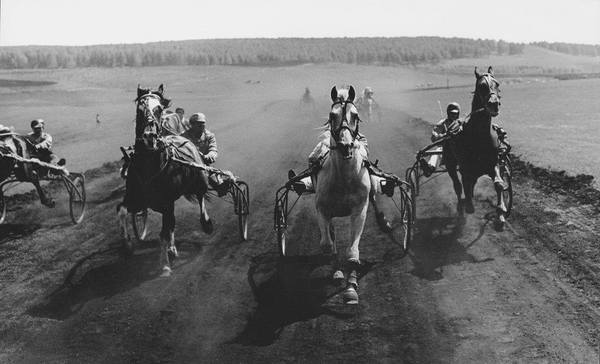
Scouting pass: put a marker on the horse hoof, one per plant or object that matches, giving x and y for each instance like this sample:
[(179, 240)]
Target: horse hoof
[(338, 276), (166, 272), (500, 222), (350, 296), (207, 226)]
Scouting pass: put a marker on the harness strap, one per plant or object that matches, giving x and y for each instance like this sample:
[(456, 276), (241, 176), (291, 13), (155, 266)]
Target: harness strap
[(18, 158)]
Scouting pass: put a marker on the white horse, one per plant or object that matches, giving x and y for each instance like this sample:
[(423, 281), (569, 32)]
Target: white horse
[(343, 184)]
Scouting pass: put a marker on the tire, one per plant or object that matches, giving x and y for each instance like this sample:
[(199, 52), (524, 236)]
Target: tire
[(413, 180), (280, 227), (507, 193), (77, 198), (139, 223), (402, 227), (2, 207), (242, 208)]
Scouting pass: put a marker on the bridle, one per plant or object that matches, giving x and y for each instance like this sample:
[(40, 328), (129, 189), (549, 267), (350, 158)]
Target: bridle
[(491, 90), (150, 118), (345, 124)]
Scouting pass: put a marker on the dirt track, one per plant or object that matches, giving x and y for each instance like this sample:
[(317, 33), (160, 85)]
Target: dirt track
[(465, 293)]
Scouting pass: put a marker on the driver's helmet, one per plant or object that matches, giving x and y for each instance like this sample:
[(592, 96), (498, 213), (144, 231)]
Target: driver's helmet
[(37, 123), (453, 109), (368, 91)]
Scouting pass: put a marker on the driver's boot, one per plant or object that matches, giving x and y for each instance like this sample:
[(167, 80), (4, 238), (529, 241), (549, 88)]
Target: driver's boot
[(299, 186)]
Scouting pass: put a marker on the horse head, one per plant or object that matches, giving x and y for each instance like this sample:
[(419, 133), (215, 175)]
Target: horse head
[(487, 92), (343, 121), (150, 106)]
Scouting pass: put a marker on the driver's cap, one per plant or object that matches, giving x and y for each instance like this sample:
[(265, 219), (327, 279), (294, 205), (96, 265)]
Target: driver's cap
[(453, 108), (37, 123), (198, 118)]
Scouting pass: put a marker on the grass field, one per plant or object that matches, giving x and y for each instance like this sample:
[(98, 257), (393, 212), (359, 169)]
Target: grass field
[(550, 122)]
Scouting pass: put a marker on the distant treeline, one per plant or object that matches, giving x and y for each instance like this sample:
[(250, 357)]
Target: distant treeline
[(283, 51), (571, 48)]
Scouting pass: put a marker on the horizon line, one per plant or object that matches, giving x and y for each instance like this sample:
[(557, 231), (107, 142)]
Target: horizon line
[(290, 38)]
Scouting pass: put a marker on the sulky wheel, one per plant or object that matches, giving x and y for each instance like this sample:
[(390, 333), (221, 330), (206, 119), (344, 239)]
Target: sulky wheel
[(77, 197), (241, 200), (507, 193), (2, 207), (412, 177), (402, 223), (280, 227), (138, 222)]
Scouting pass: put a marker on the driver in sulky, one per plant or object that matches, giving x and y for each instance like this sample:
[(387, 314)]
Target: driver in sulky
[(447, 126), (41, 143), (206, 143)]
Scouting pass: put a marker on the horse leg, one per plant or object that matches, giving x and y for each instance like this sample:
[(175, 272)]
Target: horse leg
[(357, 223), (458, 187), (469, 187), (122, 214), (205, 221), (327, 244), (382, 221), (167, 240)]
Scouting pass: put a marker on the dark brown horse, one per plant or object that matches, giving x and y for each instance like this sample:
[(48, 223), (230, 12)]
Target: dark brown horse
[(155, 180), (475, 149)]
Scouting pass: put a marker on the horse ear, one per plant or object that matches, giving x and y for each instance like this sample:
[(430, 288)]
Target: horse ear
[(139, 91), (351, 94), (160, 89), (477, 73), (490, 70), (334, 94)]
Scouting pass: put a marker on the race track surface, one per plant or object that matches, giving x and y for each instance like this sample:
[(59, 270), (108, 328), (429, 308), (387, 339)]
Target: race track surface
[(465, 293)]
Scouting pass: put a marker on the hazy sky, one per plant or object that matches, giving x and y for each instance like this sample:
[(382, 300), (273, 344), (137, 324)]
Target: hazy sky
[(78, 22)]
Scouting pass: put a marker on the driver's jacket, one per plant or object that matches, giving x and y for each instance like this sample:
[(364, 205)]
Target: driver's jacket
[(43, 143), (440, 129), (205, 142)]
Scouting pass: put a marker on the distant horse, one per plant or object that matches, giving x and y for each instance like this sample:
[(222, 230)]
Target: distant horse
[(155, 180), (475, 149), (343, 184), (14, 144)]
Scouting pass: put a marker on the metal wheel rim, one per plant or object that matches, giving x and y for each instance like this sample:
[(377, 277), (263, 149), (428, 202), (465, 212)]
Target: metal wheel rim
[(77, 199)]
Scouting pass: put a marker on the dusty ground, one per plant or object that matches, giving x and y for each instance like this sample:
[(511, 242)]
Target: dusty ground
[(464, 294)]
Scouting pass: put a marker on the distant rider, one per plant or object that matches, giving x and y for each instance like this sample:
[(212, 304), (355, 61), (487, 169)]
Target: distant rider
[(449, 125)]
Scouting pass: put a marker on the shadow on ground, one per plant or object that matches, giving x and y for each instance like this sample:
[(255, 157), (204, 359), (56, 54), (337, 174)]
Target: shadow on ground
[(9, 232), (103, 274), (289, 290), (436, 245)]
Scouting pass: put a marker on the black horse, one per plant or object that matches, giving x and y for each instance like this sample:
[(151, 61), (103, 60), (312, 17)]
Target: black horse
[(155, 179), (475, 148)]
